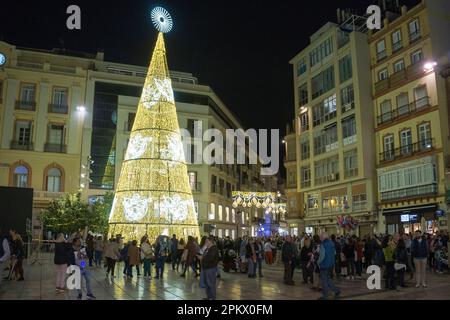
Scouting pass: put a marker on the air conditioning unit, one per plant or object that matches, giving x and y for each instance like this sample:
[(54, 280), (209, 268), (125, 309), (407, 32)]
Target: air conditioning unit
[(348, 106)]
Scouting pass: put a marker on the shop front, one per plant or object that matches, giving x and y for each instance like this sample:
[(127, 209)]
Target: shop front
[(410, 219)]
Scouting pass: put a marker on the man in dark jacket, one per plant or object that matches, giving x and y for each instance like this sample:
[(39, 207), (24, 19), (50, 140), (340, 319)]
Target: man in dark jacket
[(419, 250), (287, 254), (209, 260), (326, 264)]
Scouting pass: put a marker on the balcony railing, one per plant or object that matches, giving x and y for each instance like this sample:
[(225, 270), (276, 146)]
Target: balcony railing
[(425, 190), (22, 145), (407, 150), (25, 105), (359, 206), (196, 186), (58, 108), (381, 55), (405, 110), (305, 155), (410, 73), (325, 118), (413, 37), (305, 184), (353, 172), (397, 46), (328, 178), (56, 148), (47, 195)]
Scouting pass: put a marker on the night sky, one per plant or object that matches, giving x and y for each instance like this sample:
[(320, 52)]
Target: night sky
[(240, 48)]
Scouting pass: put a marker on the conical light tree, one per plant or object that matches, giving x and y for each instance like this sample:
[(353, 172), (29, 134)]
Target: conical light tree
[(153, 195)]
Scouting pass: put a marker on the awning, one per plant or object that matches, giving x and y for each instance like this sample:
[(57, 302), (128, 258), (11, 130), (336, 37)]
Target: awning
[(407, 210)]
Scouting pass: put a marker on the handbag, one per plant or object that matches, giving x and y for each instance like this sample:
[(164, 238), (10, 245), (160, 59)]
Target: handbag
[(399, 266)]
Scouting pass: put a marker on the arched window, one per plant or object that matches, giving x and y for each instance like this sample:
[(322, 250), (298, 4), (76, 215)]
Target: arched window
[(20, 177), (54, 180)]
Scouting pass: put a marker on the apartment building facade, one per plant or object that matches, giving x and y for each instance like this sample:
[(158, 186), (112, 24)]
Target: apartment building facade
[(334, 131), (411, 117), (294, 217), (65, 119)]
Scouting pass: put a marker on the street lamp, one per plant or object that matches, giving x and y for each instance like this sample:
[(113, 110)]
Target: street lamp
[(81, 109), (429, 66)]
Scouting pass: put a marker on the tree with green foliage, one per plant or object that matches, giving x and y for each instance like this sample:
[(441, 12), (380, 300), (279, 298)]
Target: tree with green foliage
[(68, 214)]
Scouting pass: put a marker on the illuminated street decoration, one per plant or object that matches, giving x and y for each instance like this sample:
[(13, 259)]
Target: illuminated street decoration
[(266, 200), (161, 19), (153, 195), (137, 147)]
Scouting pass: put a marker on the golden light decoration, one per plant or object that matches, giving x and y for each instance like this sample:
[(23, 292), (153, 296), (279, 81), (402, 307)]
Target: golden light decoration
[(153, 195)]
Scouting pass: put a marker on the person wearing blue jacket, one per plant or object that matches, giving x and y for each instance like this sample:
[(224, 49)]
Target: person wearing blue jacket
[(326, 264), (419, 252)]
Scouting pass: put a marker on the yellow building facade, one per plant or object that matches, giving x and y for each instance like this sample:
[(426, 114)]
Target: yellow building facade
[(65, 120), (411, 117), (335, 153)]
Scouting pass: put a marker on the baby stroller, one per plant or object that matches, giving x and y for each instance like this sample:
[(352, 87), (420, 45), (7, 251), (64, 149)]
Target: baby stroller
[(229, 260)]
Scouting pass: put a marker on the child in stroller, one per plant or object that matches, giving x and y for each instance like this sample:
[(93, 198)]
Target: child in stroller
[(229, 260)]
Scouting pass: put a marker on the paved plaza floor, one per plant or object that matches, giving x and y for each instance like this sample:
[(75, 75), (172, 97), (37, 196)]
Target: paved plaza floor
[(39, 284)]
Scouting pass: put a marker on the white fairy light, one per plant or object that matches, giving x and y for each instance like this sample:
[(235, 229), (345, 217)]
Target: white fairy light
[(160, 91), (161, 19), (135, 207), (137, 147)]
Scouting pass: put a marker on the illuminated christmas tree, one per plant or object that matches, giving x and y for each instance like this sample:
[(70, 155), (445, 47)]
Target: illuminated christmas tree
[(153, 195)]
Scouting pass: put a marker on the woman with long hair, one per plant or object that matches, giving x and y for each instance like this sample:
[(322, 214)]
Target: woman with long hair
[(61, 261), (18, 255)]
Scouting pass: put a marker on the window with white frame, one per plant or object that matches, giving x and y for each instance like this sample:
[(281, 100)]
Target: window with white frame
[(321, 52), (60, 96), (23, 132), (347, 98), (381, 50), (424, 132), (212, 212), (402, 104), (383, 74), (414, 30), (349, 130), (399, 65), (233, 215), (304, 122), (397, 40), (56, 134), (416, 56), (301, 67), (54, 180), (406, 141), (20, 176), (227, 214), (27, 92), (351, 163), (388, 145), (303, 94), (345, 68), (220, 213), (386, 111)]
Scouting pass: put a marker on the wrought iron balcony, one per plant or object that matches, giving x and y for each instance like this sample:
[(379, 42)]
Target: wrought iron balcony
[(410, 73), (414, 36), (381, 55), (58, 108), (397, 46), (56, 148), (407, 150), (403, 111), (22, 145), (25, 105), (425, 190)]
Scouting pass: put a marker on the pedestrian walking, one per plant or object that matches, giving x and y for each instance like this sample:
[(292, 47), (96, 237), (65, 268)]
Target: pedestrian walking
[(112, 254), (61, 261), (419, 250), (209, 261), (99, 246), (77, 258), (326, 264), (287, 253)]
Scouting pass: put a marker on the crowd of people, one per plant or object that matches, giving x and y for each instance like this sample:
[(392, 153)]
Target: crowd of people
[(321, 258)]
